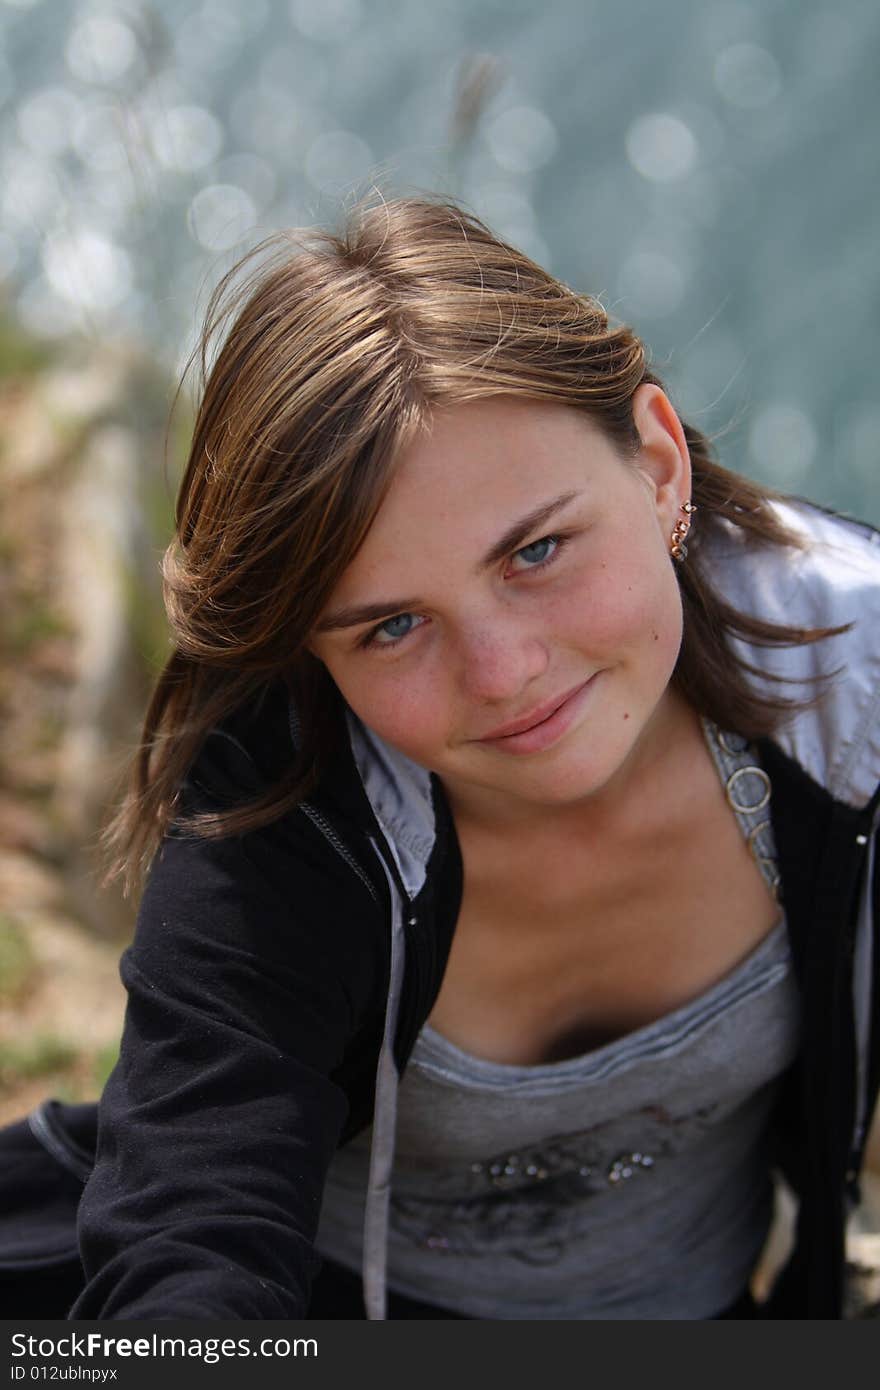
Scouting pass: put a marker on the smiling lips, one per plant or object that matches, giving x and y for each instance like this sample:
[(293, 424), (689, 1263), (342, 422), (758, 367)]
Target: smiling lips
[(542, 727)]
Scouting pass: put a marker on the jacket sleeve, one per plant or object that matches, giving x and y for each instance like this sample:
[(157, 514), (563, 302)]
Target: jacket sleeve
[(219, 1121)]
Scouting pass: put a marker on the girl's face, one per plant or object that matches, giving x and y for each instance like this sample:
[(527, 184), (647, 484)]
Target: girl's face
[(513, 618)]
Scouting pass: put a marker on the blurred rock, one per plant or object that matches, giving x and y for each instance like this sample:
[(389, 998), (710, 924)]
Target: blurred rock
[(22, 827), (26, 884), (81, 511)]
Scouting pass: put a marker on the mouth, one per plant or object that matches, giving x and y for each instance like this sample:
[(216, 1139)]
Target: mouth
[(543, 725)]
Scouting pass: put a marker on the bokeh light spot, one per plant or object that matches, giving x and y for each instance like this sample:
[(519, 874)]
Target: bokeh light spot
[(522, 139), (101, 49), (220, 216), (783, 442), (661, 147), (186, 138), (747, 75), (45, 120), (86, 269)]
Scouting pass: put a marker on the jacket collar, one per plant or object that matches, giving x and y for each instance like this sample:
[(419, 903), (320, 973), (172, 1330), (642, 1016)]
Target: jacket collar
[(836, 580), (400, 794)]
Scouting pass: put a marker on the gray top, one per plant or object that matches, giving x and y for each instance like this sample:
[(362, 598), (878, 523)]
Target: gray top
[(630, 1182)]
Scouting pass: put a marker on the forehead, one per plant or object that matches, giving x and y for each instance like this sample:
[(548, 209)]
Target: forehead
[(488, 454), (476, 469)]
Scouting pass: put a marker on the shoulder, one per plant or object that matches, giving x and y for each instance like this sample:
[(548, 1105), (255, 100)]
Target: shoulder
[(831, 580)]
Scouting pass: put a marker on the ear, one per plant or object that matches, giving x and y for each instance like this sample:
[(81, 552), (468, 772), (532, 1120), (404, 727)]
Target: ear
[(664, 458)]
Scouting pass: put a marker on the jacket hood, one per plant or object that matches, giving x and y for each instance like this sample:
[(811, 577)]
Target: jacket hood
[(834, 580)]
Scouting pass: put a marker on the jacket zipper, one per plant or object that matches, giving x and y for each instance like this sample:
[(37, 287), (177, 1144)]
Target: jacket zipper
[(339, 845), (317, 819), (864, 840)]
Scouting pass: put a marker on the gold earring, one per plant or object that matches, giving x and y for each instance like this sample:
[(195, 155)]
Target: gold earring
[(678, 549)]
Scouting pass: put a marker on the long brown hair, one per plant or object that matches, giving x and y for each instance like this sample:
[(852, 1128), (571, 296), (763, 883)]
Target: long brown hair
[(322, 355)]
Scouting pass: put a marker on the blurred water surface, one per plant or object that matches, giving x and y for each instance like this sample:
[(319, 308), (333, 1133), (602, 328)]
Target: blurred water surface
[(710, 170)]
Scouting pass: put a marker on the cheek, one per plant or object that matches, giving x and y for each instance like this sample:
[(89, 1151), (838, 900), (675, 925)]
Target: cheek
[(623, 609), (409, 711)]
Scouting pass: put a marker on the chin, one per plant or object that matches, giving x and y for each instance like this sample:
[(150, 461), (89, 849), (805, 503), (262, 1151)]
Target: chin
[(567, 777), (555, 786)]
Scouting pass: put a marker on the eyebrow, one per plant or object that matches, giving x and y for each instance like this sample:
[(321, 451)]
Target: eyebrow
[(513, 537)]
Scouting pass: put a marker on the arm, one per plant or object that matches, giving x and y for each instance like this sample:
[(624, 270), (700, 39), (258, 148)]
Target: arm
[(218, 1124)]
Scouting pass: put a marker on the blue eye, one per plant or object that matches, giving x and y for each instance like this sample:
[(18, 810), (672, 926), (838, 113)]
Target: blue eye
[(391, 631), (397, 626), (539, 553)]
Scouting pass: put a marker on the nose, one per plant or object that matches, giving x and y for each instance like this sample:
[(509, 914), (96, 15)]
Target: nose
[(500, 657)]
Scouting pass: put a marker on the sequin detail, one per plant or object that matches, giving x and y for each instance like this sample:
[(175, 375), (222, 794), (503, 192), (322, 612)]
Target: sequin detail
[(748, 789), (520, 1202)]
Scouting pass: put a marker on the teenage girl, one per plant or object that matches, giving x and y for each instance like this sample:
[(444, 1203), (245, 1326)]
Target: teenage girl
[(507, 807)]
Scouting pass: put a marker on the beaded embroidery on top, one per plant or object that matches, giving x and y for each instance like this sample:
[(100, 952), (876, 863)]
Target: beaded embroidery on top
[(747, 787)]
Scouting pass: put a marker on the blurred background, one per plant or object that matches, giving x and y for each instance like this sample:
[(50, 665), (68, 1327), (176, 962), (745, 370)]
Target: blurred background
[(711, 171)]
